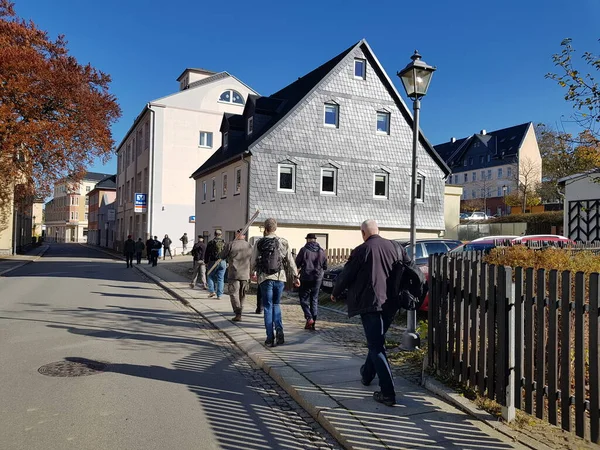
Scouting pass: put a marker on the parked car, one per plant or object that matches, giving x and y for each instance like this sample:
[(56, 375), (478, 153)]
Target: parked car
[(424, 248), (484, 244), (544, 240), (477, 215), (464, 216)]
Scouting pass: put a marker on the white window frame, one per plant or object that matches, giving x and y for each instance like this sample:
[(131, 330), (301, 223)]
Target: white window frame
[(238, 188), (337, 115), (389, 122), (285, 165), (250, 125), (474, 176), (508, 172), (363, 76), (204, 191), (206, 134), (213, 194), (224, 185), (421, 180), (231, 102), (500, 173), (387, 185), (334, 171)]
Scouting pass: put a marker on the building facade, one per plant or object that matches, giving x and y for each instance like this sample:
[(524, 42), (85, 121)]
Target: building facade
[(170, 138), (582, 206), (321, 155), (66, 215), (105, 192), (488, 164)]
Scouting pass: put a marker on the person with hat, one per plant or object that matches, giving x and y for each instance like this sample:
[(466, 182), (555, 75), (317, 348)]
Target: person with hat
[(216, 278), (129, 250), (312, 263), (198, 252), (237, 254)]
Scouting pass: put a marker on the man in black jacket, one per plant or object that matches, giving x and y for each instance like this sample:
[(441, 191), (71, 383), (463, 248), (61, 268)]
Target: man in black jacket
[(366, 276), (311, 262), (198, 252), (129, 250)]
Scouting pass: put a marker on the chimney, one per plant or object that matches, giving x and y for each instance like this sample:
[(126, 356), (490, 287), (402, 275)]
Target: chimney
[(483, 132), (453, 140)]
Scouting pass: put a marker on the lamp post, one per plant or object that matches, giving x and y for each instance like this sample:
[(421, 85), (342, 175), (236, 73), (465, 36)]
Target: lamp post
[(504, 195), (415, 77)]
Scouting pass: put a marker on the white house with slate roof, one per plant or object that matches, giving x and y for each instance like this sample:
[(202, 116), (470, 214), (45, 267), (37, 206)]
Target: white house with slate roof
[(321, 155)]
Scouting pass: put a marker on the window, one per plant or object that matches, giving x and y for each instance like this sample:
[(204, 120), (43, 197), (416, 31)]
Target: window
[(328, 181), (482, 193), (420, 188), (250, 125), (465, 162), (489, 158), (87, 200), (331, 115), (499, 191), (481, 159), (508, 189), (286, 178), (470, 160), (466, 177), (383, 123), (147, 135), (86, 216), (508, 172), (380, 185), (225, 139), (87, 188), (474, 176), (238, 180), (435, 247), (483, 174), (214, 189), (223, 184), (231, 96), (360, 68), (499, 172), (489, 174), (455, 179), (204, 191), (206, 139)]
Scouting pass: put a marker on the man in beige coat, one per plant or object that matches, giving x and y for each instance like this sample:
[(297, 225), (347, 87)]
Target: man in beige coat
[(237, 254)]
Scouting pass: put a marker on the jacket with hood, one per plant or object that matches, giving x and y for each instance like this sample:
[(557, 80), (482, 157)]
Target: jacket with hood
[(139, 246), (129, 246), (311, 262)]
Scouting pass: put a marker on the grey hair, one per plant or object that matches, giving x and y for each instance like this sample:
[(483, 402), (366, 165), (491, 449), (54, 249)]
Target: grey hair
[(370, 227)]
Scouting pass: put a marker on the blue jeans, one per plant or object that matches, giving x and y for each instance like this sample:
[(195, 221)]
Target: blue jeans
[(375, 326), (271, 291), (216, 280)]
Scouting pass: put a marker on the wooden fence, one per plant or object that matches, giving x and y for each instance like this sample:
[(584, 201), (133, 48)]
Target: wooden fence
[(527, 339), (335, 256)]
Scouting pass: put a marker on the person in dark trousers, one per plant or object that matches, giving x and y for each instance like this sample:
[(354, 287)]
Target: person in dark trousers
[(365, 275), (149, 245), (198, 252), (139, 248), (237, 254), (216, 279), (129, 250), (166, 244), (184, 242), (156, 246), (312, 263)]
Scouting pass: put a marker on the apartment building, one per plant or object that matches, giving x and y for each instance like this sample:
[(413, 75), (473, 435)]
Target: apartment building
[(103, 193)]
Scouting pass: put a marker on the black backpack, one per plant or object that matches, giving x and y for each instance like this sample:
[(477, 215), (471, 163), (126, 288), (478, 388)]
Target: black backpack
[(214, 249), (269, 256), (407, 284)]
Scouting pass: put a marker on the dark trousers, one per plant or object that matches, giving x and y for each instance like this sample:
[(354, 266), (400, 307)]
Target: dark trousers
[(376, 325), (259, 305), (149, 255), (138, 256), (165, 250), (309, 298), (129, 258), (154, 257)]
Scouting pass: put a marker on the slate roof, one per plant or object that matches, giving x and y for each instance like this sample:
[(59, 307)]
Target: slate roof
[(95, 176), (197, 70), (506, 140), (109, 182)]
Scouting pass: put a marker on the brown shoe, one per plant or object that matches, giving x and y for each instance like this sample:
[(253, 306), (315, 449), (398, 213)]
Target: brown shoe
[(212, 294), (309, 324), (237, 318)]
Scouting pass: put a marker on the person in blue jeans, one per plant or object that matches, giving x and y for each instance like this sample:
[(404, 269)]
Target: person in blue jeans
[(216, 278), (274, 264)]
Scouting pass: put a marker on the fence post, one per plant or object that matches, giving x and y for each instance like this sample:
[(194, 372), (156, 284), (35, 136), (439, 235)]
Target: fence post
[(508, 410)]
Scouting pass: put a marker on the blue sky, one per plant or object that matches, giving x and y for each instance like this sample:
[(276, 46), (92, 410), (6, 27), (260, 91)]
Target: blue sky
[(491, 56)]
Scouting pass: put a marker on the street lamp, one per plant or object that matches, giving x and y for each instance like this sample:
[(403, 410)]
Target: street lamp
[(504, 195), (415, 77)]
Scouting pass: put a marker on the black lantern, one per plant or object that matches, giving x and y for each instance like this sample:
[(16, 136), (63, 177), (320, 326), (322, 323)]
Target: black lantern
[(416, 77)]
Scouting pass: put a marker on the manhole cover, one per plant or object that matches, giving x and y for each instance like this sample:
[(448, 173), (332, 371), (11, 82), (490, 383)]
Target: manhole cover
[(73, 367)]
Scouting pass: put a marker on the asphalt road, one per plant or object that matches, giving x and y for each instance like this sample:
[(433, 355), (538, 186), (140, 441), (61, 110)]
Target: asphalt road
[(171, 381)]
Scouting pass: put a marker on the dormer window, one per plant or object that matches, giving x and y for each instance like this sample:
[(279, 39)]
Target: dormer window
[(360, 69), (250, 125), (231, 96), (225, 139)]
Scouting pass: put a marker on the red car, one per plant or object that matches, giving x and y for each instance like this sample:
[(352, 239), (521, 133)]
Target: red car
[(544, 239)]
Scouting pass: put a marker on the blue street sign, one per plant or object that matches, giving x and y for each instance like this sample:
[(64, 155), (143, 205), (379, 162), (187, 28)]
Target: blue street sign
[(140, 203), (192, 219)]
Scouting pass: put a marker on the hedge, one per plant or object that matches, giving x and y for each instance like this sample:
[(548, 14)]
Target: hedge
[(552, 218)]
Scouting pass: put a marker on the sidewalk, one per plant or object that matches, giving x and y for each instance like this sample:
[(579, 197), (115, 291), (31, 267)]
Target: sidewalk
[(324, 379), (12, 262)]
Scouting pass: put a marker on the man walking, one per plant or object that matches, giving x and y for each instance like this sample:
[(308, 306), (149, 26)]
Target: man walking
[(156, 246), (129, 250), (366, 276), (166, 244), (273, 261), (215, 280), (311, 262), (149, 245), (139, 248), (198, 252), (237, 254), (184, 243)]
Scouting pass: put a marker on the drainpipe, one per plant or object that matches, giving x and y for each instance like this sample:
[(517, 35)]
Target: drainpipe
[(151, 174), (243, 157)]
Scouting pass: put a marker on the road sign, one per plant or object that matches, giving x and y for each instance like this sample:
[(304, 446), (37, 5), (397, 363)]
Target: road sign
[(111, 215), (140, 203), (192, 219)]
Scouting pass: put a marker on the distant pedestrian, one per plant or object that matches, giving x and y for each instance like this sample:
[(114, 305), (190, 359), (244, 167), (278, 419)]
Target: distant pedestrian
[(274, 264), (149, 245), (166, 243), (215, 279), (365, 275), (184, 243), (139, 248), (311, 262), (198, 252), (237, 254), (129, 250), (156, 246)]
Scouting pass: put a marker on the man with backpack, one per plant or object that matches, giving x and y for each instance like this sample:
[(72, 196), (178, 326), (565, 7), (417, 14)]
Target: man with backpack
[(367, 275), (237, 254), (274, 264), (311, 262), (156, 246), (198, 252), (184, 243), (215, 281), (149, 245)]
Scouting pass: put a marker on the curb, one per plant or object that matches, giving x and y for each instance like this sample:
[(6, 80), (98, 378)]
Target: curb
[(465, 405), (24, 263)]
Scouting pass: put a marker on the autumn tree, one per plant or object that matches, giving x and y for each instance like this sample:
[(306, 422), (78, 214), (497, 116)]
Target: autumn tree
[(526, 178), (55, 114)]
